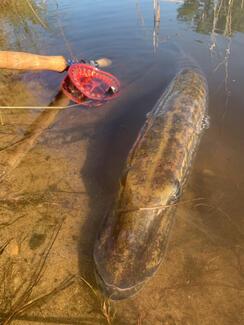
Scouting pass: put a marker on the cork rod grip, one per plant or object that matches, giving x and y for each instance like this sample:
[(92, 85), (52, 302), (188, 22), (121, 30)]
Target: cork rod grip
[(28, 61)]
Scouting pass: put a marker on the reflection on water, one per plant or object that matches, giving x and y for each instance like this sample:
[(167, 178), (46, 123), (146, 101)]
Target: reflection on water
[(63, 166), (156, 30), (221, 16)]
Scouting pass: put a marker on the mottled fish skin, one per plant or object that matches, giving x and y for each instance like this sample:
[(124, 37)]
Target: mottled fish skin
[(132, 241)]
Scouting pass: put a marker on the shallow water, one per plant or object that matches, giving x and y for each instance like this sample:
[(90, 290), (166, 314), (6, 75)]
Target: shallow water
[(69, 171)]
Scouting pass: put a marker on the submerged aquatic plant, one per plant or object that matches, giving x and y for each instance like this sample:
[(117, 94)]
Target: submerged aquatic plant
[(15, 11), (21, 299), (104, 304), (16, 21)]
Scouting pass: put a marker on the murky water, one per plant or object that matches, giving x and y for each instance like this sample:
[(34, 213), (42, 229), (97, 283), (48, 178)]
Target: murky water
[(62, 167)]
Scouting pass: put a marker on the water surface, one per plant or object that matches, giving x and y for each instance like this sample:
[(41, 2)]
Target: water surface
[(57, 192)]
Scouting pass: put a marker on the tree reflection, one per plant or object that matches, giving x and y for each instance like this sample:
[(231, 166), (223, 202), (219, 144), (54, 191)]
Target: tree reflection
[(220, 16)]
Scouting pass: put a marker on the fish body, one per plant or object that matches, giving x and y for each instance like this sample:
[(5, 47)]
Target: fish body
[(133, 239)]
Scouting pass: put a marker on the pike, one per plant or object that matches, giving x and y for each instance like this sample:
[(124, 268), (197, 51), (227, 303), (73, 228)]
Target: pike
[(132, 241)]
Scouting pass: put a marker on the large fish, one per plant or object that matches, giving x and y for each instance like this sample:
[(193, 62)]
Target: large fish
[(133, 239)]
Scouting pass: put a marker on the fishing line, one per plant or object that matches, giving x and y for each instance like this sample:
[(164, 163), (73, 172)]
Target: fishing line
[(40, 107), (62, 33), (36, 15)]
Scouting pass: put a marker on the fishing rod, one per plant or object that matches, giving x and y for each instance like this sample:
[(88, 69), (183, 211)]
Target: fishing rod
[(28, 61)]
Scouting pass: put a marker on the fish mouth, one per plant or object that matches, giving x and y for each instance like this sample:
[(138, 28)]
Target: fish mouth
[(114, 292)]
